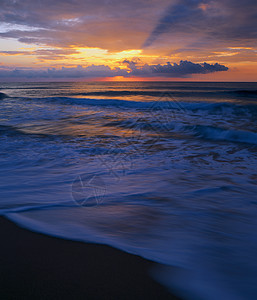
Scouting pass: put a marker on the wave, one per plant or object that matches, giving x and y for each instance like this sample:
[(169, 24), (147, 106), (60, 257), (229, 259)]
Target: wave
[(13, 131), (10, 130), (124, 93), (167, 103), (185, 92), (3, 95), (222, 134), (156, 105), (160, 94), (31, 207), (247, 93)]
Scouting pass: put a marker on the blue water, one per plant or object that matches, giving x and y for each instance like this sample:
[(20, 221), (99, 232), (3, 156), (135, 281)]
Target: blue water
[(167, 171)]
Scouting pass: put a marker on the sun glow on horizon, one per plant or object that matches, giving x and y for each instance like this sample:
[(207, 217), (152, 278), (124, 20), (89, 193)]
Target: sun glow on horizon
[(45, 57)]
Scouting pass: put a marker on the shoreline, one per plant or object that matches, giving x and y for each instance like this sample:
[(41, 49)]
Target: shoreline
[(37, 266)]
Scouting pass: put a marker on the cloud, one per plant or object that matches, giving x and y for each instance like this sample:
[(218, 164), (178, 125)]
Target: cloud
[(116, 25), (108, 24), (172, 15), (182, 70), (92, 71), (210, 22), (43, 54), (7, 53)]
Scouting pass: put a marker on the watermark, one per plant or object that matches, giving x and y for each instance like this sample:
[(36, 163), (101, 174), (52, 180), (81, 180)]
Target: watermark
[(144, 134), (88, 190), (139, 138), (164, 113), (115, 159)]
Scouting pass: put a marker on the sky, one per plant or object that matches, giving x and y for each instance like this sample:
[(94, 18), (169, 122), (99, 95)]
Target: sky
[(177, 40)]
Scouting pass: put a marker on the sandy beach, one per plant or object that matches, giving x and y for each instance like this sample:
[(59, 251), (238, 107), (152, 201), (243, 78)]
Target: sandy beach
[(35, 266)]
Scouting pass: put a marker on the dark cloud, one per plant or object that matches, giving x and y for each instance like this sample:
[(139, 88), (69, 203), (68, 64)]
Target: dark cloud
[(233, 21), (174, 14), (52, 73), (183, 69)]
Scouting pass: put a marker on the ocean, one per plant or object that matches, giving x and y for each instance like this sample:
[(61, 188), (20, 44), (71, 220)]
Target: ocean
[(163, 170)]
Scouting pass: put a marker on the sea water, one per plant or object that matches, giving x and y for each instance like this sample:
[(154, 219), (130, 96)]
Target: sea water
[(164, 170)]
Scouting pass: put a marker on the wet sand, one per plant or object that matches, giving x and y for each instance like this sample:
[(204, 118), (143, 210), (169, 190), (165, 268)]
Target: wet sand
[(35, 266)]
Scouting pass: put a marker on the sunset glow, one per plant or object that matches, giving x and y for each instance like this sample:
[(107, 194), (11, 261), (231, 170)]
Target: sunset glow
[(40, 35)]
